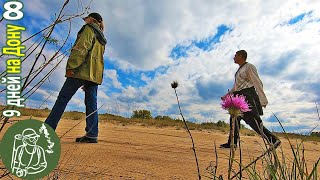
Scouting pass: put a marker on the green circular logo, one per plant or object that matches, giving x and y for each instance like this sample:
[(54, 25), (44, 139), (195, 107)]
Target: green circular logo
[(30, 149)]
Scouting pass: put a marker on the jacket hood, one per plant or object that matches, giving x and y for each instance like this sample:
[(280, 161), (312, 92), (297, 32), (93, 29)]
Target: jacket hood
[(98, 34)]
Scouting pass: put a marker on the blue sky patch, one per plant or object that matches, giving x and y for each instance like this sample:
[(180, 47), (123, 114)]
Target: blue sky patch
[(273, 119), (212, 90), (276, 67), (126, 78), (299, 129), (298, 18), (133, 78), (205, 44), (310, 87)]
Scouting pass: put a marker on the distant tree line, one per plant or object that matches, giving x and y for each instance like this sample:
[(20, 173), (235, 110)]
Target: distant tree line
[(146, 114), (317, 134)]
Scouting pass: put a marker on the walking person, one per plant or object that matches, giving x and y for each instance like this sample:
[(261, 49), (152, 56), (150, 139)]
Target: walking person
[(84, 69), (248, 83)]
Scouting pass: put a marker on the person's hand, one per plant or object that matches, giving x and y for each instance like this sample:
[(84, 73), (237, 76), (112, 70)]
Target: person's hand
[(69, 73)]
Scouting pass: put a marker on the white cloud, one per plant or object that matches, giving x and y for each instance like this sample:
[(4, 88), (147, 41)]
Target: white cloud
[(141, 35), (112, 74)]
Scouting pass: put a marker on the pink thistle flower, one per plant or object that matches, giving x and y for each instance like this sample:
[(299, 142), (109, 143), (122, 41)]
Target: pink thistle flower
[(236, 105)]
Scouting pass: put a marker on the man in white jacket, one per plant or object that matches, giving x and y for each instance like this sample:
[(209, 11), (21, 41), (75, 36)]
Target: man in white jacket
[(248, 83)]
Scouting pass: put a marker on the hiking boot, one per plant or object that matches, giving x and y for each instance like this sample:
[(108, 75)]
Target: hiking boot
[(227, 145), (85, 139)]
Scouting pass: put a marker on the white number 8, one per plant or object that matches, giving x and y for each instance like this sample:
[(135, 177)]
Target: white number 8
[(16, 10)]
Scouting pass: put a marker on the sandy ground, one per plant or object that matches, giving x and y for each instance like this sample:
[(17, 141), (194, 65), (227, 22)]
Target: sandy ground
[(137, 152)]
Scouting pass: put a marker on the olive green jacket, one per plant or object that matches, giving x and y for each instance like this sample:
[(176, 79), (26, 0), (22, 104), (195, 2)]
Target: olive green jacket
[(86, 58)]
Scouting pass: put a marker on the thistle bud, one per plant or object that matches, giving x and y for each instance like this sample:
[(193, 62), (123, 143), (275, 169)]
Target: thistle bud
[(174, 84)]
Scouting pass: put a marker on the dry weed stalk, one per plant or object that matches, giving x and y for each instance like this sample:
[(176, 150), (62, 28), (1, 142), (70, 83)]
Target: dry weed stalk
[(33, 72), (174, 85), (274, 168), (212, 168)]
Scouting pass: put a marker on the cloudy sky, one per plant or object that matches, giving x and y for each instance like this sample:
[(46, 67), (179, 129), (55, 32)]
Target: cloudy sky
[(152, 43)]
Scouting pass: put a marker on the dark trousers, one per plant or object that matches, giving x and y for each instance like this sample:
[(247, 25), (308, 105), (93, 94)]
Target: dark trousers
[(69, 88), (255, 123), (252, 118)]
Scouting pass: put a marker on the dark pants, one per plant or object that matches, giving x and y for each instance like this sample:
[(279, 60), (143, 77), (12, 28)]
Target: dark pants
[(252, 118), (68, 89)]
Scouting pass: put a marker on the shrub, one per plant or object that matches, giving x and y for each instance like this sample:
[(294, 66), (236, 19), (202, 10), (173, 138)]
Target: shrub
[(164, 118), (317, 134), (222, 124), (141, 114)]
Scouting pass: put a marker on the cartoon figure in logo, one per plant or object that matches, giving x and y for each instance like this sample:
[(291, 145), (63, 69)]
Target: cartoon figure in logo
[(28, 158)]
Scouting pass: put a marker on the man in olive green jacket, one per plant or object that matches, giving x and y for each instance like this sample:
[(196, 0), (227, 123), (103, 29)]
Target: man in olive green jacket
[(86, 58), (84, 69)]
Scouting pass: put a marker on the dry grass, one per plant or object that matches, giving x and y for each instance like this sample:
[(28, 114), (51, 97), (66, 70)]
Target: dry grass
[(178, 124), (124, 144)]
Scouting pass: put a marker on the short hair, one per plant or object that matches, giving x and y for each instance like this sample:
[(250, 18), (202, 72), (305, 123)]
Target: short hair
[(243, 53)]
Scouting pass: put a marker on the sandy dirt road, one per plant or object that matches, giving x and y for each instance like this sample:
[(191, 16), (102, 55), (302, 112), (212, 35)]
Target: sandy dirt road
[(137, 152)]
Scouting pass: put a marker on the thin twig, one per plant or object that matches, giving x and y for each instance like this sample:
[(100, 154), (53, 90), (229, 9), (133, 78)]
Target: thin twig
[(239, 140), (27, 82), (215, 150), (74, 127), (81, 122), (294, 154), (4, 72), (252, 162), (42, 48), (185, 123), (232, 151), (317, 110), (44, 66), (79, 161), (5, 174), (43, 103)]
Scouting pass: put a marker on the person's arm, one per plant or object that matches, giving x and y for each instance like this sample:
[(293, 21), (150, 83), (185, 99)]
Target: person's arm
[(81, 48), (255, 80)]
